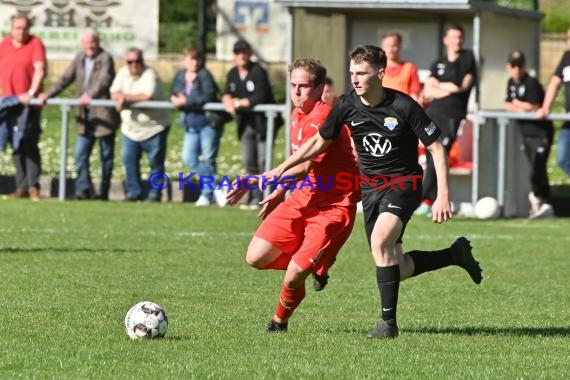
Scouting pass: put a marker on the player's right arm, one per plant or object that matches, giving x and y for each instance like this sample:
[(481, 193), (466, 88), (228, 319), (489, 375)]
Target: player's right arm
[(312, 147)]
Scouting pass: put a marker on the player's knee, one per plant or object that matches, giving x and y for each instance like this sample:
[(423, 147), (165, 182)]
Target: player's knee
[(254, 261)]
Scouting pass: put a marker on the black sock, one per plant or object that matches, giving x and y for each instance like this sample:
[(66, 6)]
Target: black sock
[(388, 279), (425, 261)]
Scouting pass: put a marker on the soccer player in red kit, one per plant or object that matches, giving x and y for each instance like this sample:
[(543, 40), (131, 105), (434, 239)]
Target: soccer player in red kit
[(303, 234)]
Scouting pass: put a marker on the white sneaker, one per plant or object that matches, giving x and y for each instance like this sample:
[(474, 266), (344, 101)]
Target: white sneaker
[(202, 201), (545, 212), (535, 203), (220, 196)]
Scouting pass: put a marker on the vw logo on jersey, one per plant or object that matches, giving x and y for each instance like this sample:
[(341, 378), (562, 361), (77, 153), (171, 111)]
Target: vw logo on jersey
[(522, 90), (376, 144), (390, 123), (250, 86), (440, 69)]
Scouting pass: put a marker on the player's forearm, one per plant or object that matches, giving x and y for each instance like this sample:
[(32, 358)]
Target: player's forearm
[(308, 150), (439, 156), (37, 78)]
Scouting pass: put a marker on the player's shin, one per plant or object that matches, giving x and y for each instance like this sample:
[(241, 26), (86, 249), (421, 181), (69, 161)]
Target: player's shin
[(388, 279), (289, 299), (425, 261)]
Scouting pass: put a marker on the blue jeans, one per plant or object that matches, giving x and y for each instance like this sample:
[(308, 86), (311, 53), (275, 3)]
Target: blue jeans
[(204, 141), (83, 148), (563, 154), (131, 153)]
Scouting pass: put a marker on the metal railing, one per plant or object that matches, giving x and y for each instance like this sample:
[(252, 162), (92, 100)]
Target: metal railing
[(270, 110), (503, 120)]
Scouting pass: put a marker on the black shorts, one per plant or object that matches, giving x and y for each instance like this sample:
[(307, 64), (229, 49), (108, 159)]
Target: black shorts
[(401, 201)]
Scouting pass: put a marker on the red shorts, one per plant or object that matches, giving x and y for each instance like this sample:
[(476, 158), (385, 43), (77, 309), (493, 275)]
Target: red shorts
[(311, 236)]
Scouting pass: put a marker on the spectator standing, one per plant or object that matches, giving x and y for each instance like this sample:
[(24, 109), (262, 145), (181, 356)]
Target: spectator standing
[(448, 88), (93, 71), (247, 85), (525, 94), (22, 70), (561, 76), (143, 129), (400, 75), (194, 86)]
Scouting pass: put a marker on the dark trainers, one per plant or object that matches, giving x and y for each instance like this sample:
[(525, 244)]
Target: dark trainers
[(319, 282), (462, 256), (385, 329), (276, 327)]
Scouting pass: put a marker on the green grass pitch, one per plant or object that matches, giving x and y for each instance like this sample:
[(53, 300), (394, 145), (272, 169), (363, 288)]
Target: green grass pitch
[(70, 271)]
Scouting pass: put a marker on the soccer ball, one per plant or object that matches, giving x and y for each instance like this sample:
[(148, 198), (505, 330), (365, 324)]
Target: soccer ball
[(146, 320), (487, 208)]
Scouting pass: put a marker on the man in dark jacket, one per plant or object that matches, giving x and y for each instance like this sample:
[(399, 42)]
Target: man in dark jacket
[(248, 85), (93, 71)]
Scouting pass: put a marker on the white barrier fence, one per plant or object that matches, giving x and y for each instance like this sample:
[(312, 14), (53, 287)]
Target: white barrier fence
[(503, 120), (270, 110)]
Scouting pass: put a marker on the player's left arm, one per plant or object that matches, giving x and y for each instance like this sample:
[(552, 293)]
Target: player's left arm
[(38, 77), (441, 208)]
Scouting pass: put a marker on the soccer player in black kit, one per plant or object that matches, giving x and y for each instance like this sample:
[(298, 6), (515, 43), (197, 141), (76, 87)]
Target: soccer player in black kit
[(385, 125)]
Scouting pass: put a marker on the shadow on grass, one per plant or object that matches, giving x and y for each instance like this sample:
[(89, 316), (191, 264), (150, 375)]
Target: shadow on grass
[(505, 331), (65, 250)]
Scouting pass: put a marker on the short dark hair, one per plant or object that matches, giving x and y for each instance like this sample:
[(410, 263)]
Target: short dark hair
[(241, 46), (314, 67), (374, 55), (396, 35), (454, 27)]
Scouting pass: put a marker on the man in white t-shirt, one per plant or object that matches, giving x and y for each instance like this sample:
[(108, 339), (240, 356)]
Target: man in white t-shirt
[(144, 129)]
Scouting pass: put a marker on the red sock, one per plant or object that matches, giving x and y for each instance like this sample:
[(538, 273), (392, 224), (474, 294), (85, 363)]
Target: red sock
[(289, 299), (280, 263)]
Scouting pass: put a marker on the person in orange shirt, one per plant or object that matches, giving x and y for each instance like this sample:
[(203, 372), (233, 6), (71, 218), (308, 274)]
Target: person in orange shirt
[(303, 234), (400, 75)]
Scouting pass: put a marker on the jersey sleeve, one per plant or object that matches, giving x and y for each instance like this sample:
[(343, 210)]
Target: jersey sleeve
[(421, 124), (334, 122), (564, 61), (433, 70), (39, 51)]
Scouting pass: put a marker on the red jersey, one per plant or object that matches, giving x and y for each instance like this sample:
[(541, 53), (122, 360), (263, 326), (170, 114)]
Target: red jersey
[(403, 77), (17, 64), (338, 158)]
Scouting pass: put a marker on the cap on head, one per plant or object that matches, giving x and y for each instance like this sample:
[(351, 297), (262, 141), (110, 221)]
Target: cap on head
[(242, 46), (516, 58)]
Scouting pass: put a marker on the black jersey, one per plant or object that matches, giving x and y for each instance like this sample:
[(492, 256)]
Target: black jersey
[(445, 71), (563, 72), (385, 135), (528, 89)]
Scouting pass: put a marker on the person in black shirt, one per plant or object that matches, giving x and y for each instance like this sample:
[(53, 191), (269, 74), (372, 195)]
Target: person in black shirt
[(247, 85), (561, 76), (525, 94), (385, 126), (448, 88)]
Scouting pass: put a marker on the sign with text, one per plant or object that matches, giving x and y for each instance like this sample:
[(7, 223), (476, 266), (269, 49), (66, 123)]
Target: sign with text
[(59, 23), (262, 23)]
